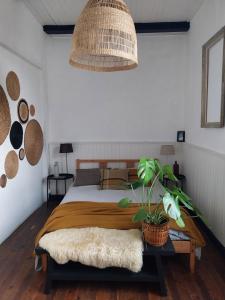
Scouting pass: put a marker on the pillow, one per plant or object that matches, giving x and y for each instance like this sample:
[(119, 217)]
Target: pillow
[(132, 175), (114, 179), (87, 177)]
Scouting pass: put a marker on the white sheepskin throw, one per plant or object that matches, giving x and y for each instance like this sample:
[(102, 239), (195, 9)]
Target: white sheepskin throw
[(96, 247)]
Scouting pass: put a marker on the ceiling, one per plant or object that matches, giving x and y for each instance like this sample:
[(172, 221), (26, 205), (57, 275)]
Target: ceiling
[(65, 12)]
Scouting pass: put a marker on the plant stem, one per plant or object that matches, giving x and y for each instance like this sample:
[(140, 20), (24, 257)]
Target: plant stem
[(150, 192), (135, 195)]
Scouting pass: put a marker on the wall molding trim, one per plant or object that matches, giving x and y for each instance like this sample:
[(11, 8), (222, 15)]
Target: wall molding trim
[(207, 150), (115, 142)]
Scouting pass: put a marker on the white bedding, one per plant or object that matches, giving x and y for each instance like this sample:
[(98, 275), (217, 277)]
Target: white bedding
[(94, 194)]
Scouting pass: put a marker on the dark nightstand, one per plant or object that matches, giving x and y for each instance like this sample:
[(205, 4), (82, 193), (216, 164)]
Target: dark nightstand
[(180, 183), (62, 177)]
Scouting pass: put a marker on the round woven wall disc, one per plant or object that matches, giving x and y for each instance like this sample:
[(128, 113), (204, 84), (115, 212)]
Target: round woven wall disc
[(11, 164), (13, 85), (23, 111), (5, 117), (3, 181), (21, 154), (32, 110), (16, 135), (33, 142)]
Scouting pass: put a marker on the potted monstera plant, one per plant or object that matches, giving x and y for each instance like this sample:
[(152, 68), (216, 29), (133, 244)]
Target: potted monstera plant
[(155, 217)]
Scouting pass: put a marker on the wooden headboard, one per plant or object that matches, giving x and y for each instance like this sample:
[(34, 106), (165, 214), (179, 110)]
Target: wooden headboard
[(103, 163)]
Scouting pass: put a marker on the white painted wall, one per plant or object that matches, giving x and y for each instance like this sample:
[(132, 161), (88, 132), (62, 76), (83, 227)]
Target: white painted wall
[(209, 19), (204, 168), (116, 115), (21, 46), (145, 104), (20, 31)]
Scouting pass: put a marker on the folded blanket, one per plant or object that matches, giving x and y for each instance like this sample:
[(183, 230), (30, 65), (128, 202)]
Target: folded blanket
[(107, 215), (97, 247)]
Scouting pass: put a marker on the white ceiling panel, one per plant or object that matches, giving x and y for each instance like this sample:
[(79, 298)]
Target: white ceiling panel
[(64, 12)]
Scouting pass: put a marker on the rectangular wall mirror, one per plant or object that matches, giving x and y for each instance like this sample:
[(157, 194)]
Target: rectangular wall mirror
[(213, 81)]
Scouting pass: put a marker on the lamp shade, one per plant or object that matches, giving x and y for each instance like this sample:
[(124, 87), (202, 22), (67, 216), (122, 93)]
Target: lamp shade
[(104, 37), (167, 150), (66, 148)]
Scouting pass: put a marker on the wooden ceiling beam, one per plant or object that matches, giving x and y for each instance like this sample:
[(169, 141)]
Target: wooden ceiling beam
[(160, 27)]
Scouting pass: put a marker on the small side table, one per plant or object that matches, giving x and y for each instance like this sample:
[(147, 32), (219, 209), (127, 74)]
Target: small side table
[(62, 177)]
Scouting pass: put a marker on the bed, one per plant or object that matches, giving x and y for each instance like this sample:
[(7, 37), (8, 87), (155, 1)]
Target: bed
[(182, 243)]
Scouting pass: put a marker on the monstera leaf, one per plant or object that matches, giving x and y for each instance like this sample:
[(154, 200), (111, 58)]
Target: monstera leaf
[(172, 209), (146, 170)]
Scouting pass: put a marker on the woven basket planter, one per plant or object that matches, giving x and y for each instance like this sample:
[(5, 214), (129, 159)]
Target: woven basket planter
[(156, 235)]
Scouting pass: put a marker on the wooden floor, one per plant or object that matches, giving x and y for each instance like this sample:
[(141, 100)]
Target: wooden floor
[(19, 281)]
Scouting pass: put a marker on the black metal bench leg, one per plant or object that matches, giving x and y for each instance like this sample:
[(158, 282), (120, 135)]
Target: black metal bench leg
[(48, 283), (160, 270)]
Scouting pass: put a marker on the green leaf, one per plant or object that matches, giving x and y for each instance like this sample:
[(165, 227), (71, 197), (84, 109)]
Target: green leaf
[(147, 176), (140, 216), (180, 222), (124, 203), (135, 184), (159, 169), (146, 170), (168, 171), (171, 206), (183, 198)]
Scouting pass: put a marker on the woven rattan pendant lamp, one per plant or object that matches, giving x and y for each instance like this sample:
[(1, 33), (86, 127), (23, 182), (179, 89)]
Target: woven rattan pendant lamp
[(104, 38)]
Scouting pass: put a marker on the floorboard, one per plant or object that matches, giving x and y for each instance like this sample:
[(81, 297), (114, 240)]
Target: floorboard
[(19, 281)]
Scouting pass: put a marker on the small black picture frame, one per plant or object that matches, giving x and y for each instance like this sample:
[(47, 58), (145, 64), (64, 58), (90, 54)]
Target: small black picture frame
[(180, 136)]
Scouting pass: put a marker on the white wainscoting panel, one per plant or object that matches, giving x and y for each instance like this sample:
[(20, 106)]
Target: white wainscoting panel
[(110, 150), (205, 172)]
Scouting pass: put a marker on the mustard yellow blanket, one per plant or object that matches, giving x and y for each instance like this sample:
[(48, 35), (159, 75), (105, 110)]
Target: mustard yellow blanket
[(106, 215)]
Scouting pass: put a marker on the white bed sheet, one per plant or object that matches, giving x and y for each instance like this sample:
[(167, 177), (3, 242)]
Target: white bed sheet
[(92, 193)]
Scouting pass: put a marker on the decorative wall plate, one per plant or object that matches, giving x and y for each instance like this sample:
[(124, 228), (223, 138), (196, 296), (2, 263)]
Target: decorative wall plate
[(13, 85), (23, 111), (11, 164), (21, 154), (3, 181), (33, 142), (5, 117), (32, 110), (16, 135)]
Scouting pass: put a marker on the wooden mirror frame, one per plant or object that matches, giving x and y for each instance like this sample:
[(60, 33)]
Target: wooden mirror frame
[(205, 82)]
